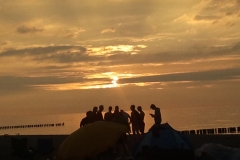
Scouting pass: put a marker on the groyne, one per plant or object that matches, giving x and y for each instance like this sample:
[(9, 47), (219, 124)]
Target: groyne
[(32, 126), (227, 130), (221, 130)]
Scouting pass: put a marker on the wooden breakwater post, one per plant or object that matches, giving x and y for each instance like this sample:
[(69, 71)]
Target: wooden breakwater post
[(221, 130), (32, 126)]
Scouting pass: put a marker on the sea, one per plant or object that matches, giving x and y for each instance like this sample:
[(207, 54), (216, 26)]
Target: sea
[(180, 119)]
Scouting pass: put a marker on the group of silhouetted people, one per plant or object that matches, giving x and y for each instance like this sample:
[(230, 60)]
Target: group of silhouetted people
[(135, 118)]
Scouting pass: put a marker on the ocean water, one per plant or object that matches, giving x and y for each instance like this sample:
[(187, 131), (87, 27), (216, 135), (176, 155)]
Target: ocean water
[(179, 118)]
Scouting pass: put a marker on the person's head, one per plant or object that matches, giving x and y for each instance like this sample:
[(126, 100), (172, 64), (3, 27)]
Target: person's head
[(88, 113), (116, 108), (95, 109), (101, 108), (110, 108), (153, 106), (139, 108), (132, 107)]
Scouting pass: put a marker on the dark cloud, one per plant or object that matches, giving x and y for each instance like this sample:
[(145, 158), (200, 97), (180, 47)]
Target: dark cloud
[(211, 7), (26, 29), (236, 47), (65, 57), (169, 57), (38, 50), (206, 17), (50, 53), (3, 43), (229, 13), (212, 75), (229, 24), (69, 54), (217, 10), (15, 84), (234, 50)]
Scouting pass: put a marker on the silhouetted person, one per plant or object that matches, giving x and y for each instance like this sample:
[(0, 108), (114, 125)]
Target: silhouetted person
[(157, 114), (118, 117), (108, 116), (99, 113), (86, 120), (126, 117), (142, 115), (94, 114), (116, 113), (135, 119)]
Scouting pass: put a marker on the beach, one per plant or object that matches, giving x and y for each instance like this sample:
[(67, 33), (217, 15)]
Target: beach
[(228, 140)]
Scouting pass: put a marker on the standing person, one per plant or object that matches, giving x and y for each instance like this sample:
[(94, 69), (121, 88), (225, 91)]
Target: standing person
[(99, 113), (157, 114), (108, 115), (94, 114), (135, 119), (126, 115), (127, 118), (142, 115), (116, 113), (117, 116), (86, 120)]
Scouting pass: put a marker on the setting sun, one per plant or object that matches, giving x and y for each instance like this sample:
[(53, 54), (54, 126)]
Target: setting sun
[(114, 81)]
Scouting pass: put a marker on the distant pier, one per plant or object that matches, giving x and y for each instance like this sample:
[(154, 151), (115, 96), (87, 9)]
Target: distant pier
[(228, 130), (32, 126)]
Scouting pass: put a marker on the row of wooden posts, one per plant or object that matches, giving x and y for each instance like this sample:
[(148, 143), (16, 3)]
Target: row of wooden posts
[(32, 126), (198, 131), (229, 130)]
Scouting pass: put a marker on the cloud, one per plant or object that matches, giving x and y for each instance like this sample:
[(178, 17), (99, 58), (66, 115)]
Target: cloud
[(73, 33), (206, 17), (15, 84), (111, 30), (116, 49), (3, 43), (173, 57), (25, 29), (118, 54), (210, 75), (224, 7), (236, 47), (213, 12), (61, 53)]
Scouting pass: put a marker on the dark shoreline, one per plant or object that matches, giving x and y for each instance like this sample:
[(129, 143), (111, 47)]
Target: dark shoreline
[(228, 140)]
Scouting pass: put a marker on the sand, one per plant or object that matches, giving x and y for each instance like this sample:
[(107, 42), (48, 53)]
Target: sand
[(229, 140)]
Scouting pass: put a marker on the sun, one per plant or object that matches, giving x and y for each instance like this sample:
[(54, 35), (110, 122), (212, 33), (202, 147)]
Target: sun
[(114, 80)]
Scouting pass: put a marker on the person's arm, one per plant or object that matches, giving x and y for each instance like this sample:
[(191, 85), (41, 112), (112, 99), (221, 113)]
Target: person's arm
[(131, 117), (128, 116), (81, 123), (152, 115)]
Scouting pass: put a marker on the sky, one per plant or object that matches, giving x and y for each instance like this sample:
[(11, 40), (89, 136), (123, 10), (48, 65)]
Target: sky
[(68, 56)]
